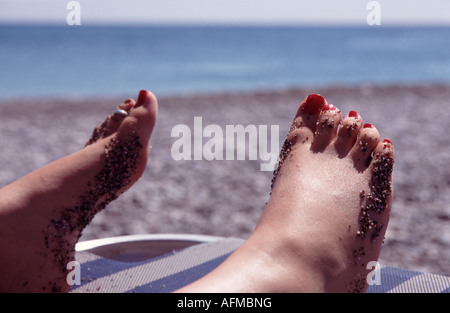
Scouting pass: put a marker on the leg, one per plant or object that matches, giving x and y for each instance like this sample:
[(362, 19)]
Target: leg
[(43, 214), (327, 214)]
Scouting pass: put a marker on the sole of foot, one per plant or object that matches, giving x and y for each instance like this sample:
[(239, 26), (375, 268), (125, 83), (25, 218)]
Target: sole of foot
[(43, 214), (325, 221)]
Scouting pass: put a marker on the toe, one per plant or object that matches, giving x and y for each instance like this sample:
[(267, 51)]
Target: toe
[(365, 144), (141, 118), (127, 105), (383, 157), (384, 149), (117, 117), (382, 167), (302, 129), (112, 122), (348, 132), (381, 188), (305, 121), (131, 141), (326, 127)]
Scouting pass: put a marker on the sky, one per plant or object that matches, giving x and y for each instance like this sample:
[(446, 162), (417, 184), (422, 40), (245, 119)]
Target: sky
[(301, 12)]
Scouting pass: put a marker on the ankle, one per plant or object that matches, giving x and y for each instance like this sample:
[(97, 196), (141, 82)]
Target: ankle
[(292, 268)]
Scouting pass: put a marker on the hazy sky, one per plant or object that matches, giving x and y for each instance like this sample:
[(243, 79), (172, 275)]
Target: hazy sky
[(411, 12)]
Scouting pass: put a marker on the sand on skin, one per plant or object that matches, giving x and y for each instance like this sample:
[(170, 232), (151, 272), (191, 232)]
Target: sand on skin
[(226, 198)]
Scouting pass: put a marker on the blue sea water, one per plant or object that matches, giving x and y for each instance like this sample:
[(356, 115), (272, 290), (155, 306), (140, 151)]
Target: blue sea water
[(92, 60)]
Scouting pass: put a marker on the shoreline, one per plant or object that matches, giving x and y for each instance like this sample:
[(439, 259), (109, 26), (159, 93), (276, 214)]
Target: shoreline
[(184, 196), (222, 93)]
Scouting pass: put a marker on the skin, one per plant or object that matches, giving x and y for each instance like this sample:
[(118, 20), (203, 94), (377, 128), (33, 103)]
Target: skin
[(53, 204), (325, 220), (307, 238)]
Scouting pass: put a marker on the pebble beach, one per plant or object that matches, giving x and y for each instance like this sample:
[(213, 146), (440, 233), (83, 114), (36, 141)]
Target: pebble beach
[(226, 197)]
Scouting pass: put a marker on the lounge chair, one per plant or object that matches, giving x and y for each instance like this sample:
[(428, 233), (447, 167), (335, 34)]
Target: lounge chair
[(164, 263)]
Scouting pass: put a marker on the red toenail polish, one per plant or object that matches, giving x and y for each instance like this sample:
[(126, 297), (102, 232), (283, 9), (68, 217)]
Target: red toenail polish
[(328, 107), (313, 104), (353, 114), (141, 97), (387, 141), (367, 125)]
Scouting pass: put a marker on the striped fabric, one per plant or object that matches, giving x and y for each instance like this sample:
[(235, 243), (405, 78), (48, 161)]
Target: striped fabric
[(396, 280), (172, 271), (161, 274)]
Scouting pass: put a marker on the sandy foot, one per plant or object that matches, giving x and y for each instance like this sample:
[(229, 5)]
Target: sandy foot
[(43, 214), (327, 215)]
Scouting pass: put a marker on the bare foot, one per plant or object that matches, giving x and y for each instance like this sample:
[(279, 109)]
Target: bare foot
[(327, 214), (43, 214)]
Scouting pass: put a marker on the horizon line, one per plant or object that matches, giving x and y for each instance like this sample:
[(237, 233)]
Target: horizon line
[(226, 24)]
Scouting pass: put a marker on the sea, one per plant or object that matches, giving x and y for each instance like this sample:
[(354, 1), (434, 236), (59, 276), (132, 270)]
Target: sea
[(84, 61)]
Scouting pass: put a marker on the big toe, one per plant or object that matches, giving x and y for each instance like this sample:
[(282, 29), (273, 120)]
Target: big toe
[(305, 121), (141, 118), (127, 150)]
